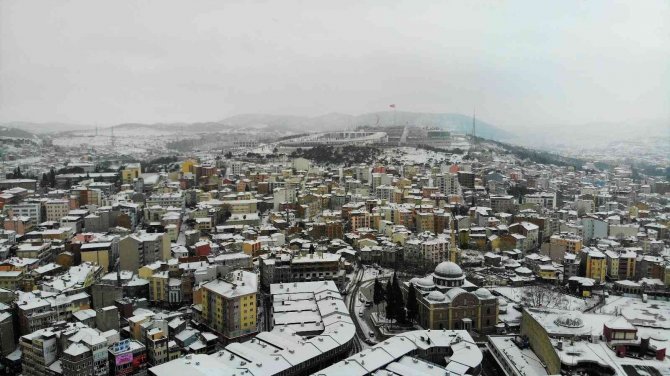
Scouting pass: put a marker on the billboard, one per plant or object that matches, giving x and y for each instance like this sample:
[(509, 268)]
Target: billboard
[(124, 358)]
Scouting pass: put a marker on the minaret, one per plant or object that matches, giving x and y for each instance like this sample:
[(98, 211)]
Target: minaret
[(454, 251)]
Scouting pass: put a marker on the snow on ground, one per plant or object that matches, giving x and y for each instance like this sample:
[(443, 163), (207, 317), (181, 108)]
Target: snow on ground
[(548, 298), (263, 149), (511, 317), (654, 313), (372, 273), (416, 155)]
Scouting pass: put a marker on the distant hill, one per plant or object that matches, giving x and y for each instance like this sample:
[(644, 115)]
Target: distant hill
[(335, 121), (15, 133), (300, 124), (40, 128)]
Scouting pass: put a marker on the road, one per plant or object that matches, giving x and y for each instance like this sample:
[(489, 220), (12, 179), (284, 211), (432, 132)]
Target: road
[(366, 288), (403, 138), (352, 294)]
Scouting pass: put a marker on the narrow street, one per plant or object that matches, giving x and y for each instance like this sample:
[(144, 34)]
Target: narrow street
[(352, 293)]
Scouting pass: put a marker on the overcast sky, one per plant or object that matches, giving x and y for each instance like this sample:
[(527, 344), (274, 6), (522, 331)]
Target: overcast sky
[(521, 63)]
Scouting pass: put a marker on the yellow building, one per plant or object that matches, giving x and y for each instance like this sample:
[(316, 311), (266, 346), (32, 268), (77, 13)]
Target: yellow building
[(135, 326), (158, 287), (547, 272), (252, 248), (595, 264), (11, 280), (540, 342), (569, 242), (494, 243), (666, 275), (612, 258), (242, 206), (147, 271), (627, 264), (229, 306), (203, 224), (425, 222), (97, 253), (188, 166), (204, 196), (131, 172), (172, 232), (621, 264)]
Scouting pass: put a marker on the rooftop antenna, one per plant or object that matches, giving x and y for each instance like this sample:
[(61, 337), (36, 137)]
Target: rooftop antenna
[(113, 143)]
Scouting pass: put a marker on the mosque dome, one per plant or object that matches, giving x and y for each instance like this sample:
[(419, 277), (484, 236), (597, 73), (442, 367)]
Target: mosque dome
[(448, 269), (483, 293), (424, 283), (453, 293), (436, 296)]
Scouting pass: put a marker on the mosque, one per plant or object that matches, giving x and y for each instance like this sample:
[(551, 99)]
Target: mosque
[(447, 300)]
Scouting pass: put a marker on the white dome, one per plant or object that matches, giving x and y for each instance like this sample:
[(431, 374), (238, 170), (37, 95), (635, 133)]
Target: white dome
[(451, 294), (448, 269), (436, 296), (483, 293), (426, 282)]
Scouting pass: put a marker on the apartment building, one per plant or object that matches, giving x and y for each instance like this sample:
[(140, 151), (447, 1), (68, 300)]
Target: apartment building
[(25, 209), (143, 248), (229, 306), (56, 209)]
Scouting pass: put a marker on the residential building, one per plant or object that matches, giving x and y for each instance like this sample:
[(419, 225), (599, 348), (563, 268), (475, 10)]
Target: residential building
[(143, 248), (593, 264), (566, 242), (25, 209), (285, 267), (545, 200), (127, 357), (56, 209), (594, 228), (229, 306), (131, 172)]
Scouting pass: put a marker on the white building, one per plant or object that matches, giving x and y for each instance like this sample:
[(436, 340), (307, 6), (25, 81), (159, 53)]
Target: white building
[(544, 199)]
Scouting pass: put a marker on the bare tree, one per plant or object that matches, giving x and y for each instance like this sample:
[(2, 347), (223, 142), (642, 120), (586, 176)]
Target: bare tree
[(540, 297)]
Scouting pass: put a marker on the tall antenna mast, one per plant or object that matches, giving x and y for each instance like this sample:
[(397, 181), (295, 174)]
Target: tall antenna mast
[(474, 127)]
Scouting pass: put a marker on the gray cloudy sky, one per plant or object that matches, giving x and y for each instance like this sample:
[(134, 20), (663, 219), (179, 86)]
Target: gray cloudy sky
[(521, 63)]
